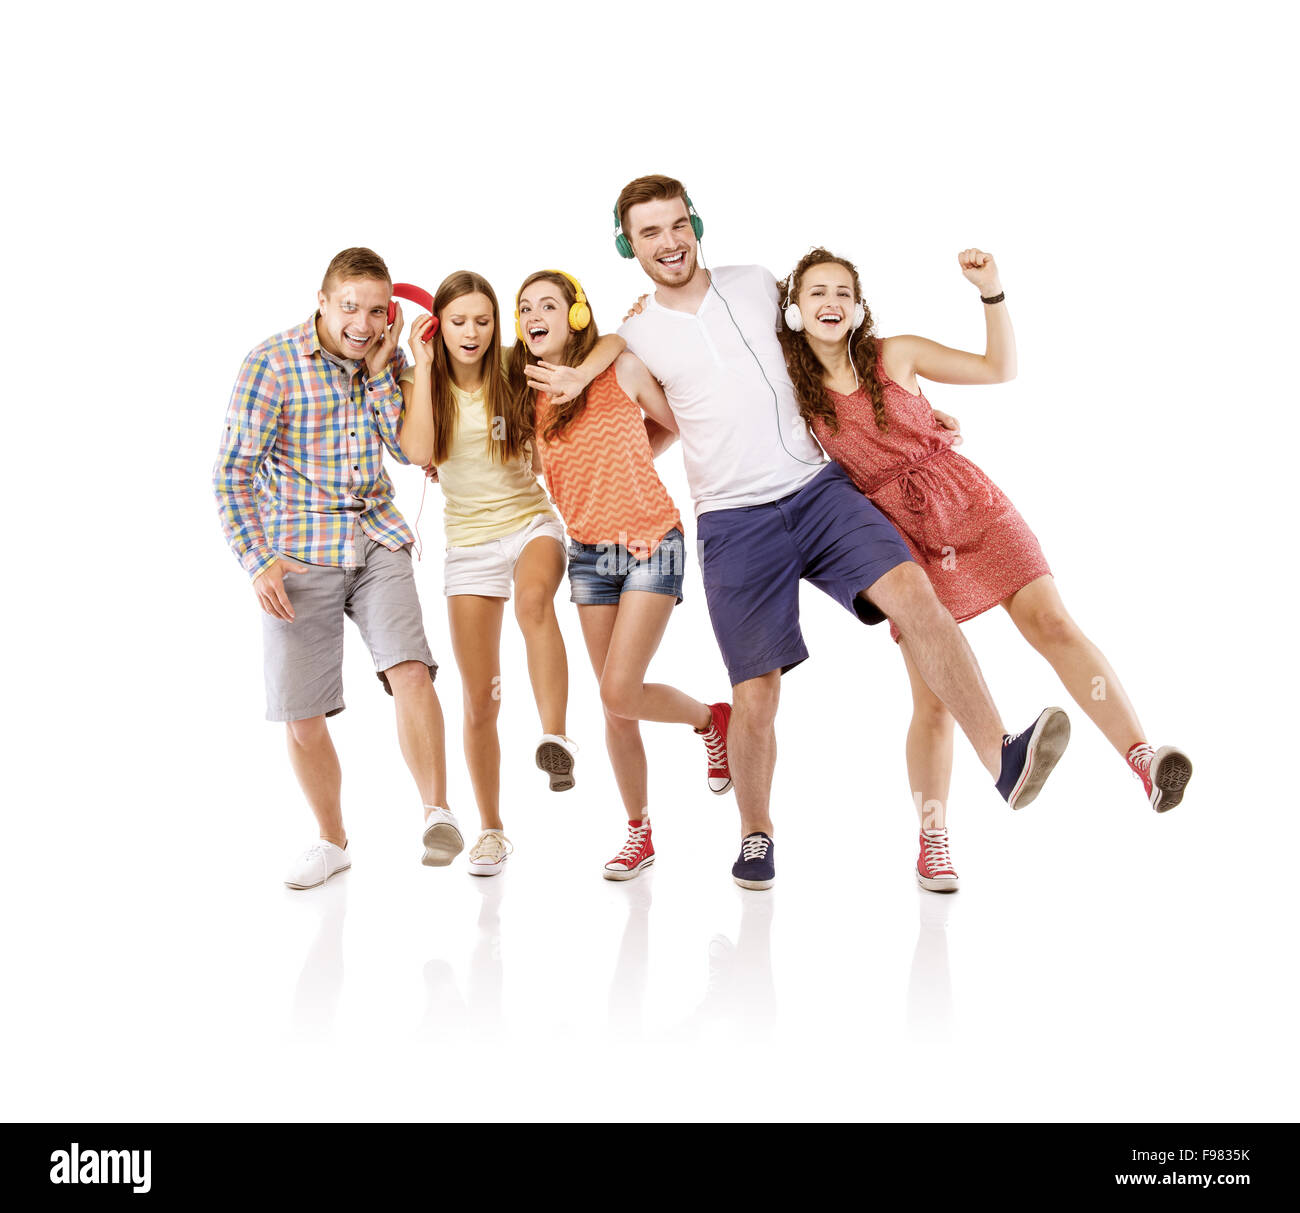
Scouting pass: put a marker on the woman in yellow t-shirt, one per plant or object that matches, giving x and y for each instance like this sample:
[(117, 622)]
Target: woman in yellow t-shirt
[(494, 509)]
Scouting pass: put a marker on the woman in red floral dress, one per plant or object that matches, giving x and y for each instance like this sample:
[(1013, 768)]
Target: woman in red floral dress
[(860, 395)]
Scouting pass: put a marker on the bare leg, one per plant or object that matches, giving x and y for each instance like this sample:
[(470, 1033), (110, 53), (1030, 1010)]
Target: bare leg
[(935, 645), (420, 731), (538, 573), (622, 736), (316, 764), (476, 643), (638, 630), (1040, 615), (621, 640), (751, 745), (929, 752)]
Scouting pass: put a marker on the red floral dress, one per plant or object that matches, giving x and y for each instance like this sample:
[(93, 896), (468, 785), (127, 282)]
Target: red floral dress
[(961, 528)]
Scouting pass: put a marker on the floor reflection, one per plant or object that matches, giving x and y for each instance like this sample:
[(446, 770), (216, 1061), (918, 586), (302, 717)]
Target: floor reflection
[(627, 989), (740, 995), (444, 1006), (929, 990), (316, 996)]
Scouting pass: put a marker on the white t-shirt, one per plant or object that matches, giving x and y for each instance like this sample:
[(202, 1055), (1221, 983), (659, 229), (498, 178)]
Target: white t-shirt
[(741, 446)]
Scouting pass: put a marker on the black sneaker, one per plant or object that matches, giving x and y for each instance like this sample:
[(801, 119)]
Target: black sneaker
[(1028, 757), (756, 867)]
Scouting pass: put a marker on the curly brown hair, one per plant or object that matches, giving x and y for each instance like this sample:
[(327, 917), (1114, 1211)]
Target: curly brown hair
[(806, 370), (576, 348)]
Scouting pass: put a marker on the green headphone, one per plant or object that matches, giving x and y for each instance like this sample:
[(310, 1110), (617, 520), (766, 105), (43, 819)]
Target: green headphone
[(624, 246)]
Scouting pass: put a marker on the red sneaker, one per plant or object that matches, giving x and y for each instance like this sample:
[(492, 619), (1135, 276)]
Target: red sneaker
[(934, 869), (715, 743), (1164, 773), (638, 853)]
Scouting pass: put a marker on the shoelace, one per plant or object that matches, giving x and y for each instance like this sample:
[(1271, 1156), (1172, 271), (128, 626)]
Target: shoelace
[(754, 848), (635, 841), (936, 851), (492, 847), (715, 746), (1140, 757)]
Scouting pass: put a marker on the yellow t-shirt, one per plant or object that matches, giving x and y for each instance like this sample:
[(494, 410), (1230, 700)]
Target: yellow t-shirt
[(483, 498)]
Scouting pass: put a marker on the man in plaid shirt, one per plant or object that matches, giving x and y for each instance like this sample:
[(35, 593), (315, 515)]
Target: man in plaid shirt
[(308, 510)]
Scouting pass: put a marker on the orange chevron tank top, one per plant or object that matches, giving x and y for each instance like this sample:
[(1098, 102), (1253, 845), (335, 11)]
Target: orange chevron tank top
[(601, 472)]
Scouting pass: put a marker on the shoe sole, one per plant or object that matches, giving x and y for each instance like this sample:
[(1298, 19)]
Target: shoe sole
[(1170, 772), (755, 884), (442, 843), (486, 869), (721, 791), (317, 885), (557, 762), (931, 884), (615, 874), (1046, 745)]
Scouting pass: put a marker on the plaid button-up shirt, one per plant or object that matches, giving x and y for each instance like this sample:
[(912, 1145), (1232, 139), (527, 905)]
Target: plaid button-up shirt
[(302, 454)]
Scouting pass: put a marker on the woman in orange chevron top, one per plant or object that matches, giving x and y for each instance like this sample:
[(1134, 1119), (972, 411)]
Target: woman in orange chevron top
[(626, 550)]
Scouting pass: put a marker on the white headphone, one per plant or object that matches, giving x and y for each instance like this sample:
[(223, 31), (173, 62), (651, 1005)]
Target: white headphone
[(794, 317)]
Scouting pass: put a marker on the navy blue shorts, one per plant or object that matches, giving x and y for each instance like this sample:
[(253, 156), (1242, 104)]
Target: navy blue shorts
[(752, 558)]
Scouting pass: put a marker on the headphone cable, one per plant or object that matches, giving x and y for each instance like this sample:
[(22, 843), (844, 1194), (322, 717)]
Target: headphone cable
[(776, 404)]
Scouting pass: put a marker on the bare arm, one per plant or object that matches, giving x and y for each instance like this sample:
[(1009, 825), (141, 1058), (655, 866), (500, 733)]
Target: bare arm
[(416, 434), (635, 379), (565, 383), (907, 357), (660, 438)]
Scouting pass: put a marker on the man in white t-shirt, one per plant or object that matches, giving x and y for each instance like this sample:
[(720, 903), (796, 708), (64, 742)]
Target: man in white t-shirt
[(770, 510)]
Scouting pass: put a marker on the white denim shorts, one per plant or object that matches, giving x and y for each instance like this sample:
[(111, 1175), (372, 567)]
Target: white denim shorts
[(488, 569)]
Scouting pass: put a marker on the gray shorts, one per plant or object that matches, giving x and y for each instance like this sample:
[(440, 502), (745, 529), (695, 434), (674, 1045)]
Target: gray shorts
[(303, 660)]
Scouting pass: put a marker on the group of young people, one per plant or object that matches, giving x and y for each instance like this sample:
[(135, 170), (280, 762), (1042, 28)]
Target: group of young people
[(761, 381)]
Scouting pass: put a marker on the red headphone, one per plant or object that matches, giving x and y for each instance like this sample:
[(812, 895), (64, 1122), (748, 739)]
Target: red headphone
[(417, 296)]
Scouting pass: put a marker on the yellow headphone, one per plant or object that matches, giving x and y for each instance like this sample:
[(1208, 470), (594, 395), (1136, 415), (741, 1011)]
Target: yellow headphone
[(579, 313)]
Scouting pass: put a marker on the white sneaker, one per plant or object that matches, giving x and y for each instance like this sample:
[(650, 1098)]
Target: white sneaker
[(556, 756), (488, 856), (442, 838), (317, 864)]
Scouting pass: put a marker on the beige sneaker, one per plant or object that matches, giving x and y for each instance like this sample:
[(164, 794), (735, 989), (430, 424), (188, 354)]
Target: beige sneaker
[(488, 856)]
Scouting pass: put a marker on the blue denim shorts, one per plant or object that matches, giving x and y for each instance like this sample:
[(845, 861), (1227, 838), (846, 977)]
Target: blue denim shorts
[(600, 573)]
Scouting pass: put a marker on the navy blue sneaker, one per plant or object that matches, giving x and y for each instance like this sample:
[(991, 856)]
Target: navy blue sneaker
[(756, 867), (1028, 757)]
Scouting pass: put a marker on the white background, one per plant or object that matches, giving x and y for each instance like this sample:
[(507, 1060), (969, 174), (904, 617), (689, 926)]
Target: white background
[(178, 179)]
